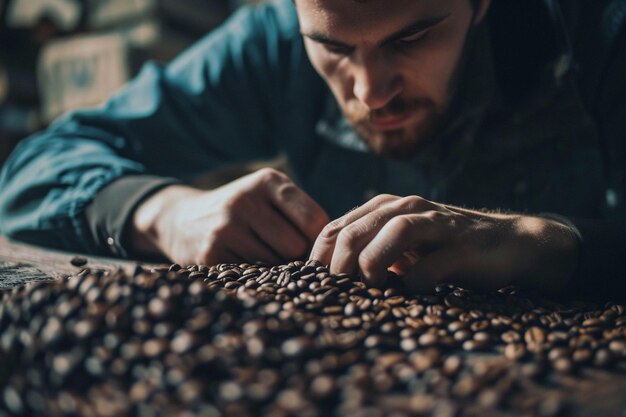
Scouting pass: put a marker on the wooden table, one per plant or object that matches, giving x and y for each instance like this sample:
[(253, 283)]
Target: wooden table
[(595, 393), (21, 263)]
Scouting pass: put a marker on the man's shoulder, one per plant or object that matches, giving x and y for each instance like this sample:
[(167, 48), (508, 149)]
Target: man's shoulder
[(277, 15)]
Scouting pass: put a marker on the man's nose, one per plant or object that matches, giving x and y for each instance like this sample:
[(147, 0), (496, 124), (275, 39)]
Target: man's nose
[(376, 80)]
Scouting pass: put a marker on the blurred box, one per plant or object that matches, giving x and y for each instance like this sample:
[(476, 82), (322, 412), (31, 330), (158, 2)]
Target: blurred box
[(108, 13), (80, 72), (64, 14)]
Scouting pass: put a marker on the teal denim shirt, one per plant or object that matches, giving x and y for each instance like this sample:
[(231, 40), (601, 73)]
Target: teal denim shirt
[(247, 92)]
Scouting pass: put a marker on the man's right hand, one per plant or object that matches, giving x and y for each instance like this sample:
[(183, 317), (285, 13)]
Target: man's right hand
[(263, 216)]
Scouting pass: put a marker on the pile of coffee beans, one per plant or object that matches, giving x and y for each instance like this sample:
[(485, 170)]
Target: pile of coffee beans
[(290, 340)]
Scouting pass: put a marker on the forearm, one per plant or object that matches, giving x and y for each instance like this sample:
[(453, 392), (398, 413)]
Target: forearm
[(545, 248), (147, 225)]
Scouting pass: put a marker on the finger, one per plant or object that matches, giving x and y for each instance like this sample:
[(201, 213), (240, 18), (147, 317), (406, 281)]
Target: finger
[(278, 233), (354, 237), (299, 208), (325, 243), (413, 232)]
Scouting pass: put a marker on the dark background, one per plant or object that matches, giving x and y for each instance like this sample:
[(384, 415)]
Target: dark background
[(29, 29)]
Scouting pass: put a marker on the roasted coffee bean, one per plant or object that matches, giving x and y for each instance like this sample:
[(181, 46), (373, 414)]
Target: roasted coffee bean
[(251, 339), (534, 336), (452, 365), (514, 351), (454, 301), (510, 337), (78, 261), (563, 365)]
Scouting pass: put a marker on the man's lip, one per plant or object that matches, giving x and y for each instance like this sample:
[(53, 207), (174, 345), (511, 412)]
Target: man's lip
[(389, 122)]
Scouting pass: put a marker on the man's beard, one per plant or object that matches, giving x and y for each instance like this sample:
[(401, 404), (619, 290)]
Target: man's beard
[(399, 144)]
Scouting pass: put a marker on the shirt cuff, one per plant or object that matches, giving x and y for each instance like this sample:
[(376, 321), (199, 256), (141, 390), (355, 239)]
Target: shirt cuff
[(109, 213), (600, 273)]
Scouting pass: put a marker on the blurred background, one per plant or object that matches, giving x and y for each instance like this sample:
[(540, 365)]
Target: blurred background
[(56, 55)]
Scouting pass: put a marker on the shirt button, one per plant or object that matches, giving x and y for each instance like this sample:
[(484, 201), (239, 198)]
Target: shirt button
[(111, 243)]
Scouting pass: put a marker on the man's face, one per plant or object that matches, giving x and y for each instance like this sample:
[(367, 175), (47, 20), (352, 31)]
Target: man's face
[(391, 64)]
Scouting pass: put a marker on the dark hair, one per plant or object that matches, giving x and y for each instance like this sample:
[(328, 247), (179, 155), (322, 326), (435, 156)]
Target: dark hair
[(474, 2)]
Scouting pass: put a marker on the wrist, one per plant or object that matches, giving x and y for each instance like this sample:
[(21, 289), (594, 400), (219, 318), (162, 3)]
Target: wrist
[(152, 219)]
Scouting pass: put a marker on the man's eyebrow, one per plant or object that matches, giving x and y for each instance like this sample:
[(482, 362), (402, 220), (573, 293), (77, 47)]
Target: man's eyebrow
[(320, 38), (411, 29)]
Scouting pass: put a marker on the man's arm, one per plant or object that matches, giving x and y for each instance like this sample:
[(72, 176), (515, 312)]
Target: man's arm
[(214, 105)]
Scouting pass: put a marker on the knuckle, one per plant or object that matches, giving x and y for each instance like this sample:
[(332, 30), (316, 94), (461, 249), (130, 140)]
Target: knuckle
[(286, 191), (412, 202), (331, 230), (435, 216), (401, 225), (381, 199), (270, 175), (350, 234)]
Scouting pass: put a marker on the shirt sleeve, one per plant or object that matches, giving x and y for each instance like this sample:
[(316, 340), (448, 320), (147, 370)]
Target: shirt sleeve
[(109, 214), (216, 104)]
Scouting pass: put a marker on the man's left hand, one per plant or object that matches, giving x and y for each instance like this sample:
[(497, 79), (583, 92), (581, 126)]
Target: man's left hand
[(427, 243)]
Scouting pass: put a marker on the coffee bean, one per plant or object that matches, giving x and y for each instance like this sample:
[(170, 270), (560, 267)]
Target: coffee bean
[(78, 261), (563, 365), (375, 293), (534, 335), (13, 400), (452, 365), (454, 301), (582, 355), (510, 337), (288, 339), (602, 358), (323, 386), (514, 351), (618, 347), (428, 339)]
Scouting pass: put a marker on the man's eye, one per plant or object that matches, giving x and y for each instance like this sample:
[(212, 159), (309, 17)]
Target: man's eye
[(412, 39)]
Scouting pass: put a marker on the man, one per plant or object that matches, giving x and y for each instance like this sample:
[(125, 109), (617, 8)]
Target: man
[(409, 109)]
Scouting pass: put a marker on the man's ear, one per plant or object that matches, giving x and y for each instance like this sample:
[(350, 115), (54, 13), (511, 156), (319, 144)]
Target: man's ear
[(481, 11)]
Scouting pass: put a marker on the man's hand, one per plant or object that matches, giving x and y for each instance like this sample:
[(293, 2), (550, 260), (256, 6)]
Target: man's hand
[(428, 243), (263, 216)]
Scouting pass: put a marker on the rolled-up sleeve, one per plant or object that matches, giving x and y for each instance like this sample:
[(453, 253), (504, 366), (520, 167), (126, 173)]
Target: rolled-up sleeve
[(216, 104)]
